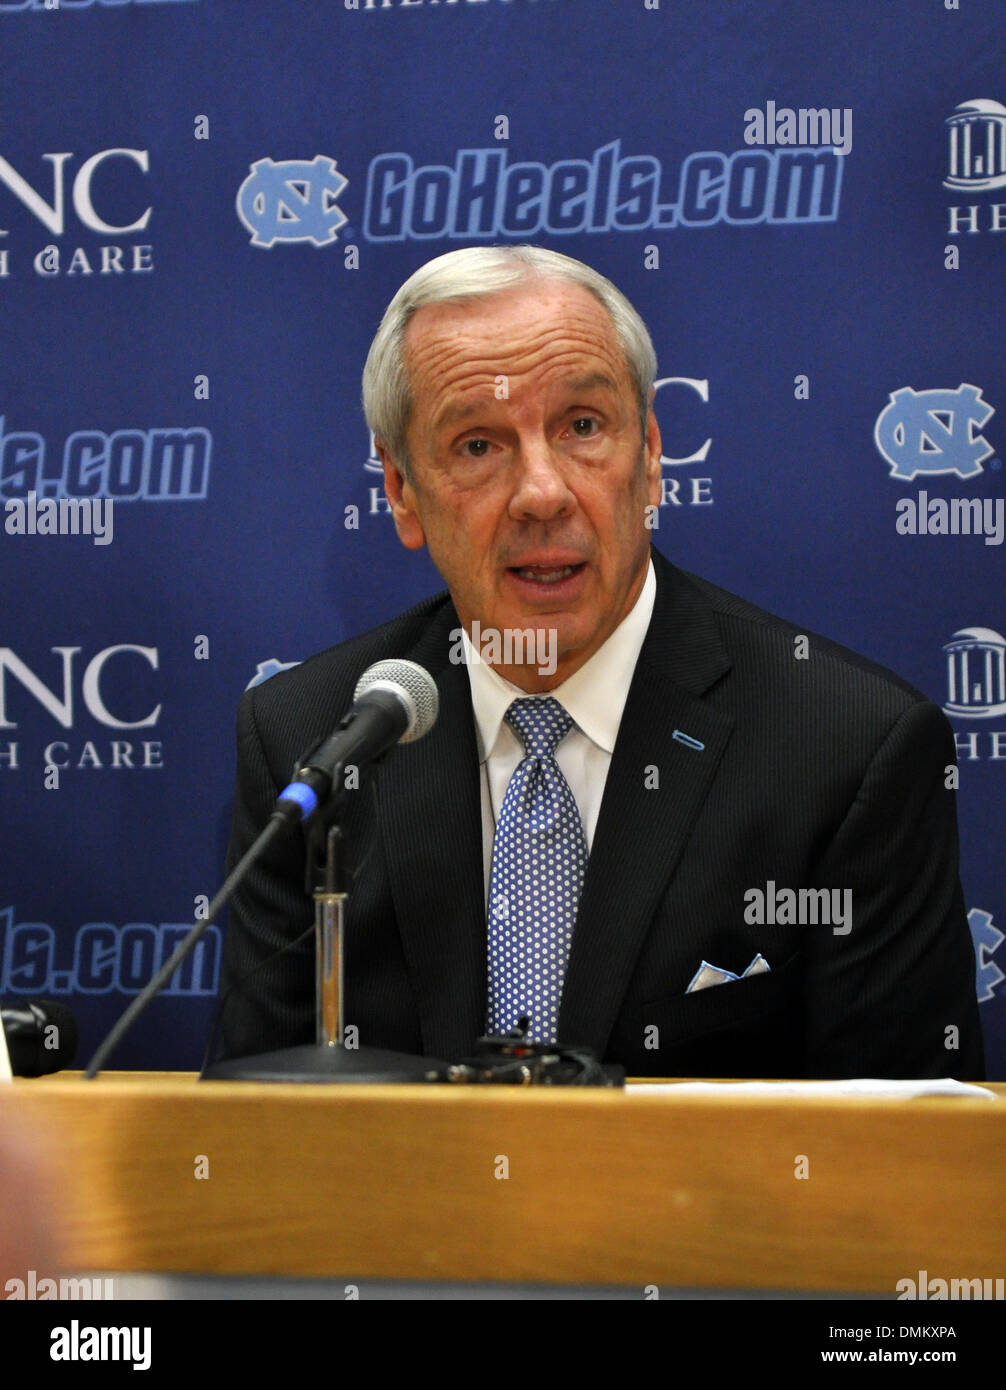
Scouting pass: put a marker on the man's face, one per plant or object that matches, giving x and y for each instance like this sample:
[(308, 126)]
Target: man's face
[(529, 476)]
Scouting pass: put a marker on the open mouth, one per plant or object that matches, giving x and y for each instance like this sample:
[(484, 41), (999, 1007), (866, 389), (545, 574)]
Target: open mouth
[(546, 574)]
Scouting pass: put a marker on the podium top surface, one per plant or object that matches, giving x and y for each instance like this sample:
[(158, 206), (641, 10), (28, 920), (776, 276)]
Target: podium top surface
[(161, 1172)]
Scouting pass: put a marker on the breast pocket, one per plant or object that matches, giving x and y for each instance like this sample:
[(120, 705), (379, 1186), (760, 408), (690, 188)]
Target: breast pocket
[(747, 1027)]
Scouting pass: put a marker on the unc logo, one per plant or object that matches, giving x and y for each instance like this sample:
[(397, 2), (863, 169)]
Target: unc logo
[(293, 200), (267, 669), (934, 431), (976, 159), (373, 463), (976, 673), (987, 939)]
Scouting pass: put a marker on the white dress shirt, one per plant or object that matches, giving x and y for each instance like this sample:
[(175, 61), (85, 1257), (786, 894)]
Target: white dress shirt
[(594, 697)]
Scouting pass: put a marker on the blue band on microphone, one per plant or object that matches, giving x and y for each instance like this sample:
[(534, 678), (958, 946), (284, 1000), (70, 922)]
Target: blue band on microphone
[(302, 794)]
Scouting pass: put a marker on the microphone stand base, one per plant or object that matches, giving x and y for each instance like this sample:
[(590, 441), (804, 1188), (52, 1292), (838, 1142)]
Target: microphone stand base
[(375, 1066)]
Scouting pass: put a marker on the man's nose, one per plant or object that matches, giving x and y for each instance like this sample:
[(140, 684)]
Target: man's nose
[(541, 491)]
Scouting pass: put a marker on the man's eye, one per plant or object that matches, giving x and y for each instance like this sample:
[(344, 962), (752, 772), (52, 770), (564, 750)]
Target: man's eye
[(584, 425), (476, 448)]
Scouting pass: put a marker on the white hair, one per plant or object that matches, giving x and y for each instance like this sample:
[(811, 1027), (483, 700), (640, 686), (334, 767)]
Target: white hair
[(472, 273)]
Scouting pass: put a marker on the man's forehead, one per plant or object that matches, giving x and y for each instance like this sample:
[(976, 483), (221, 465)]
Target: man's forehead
[(458, 406), (555, 333)]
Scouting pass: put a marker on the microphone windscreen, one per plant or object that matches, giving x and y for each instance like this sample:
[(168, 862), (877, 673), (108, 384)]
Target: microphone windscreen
[(413, 683)]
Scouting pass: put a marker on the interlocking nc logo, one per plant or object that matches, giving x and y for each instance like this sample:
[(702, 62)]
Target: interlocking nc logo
[(293, 200), (987, 938), (934, 431), (267, 669)]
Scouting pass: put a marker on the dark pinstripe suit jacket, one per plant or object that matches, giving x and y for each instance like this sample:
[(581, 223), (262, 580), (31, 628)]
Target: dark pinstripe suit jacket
[(826, 772)]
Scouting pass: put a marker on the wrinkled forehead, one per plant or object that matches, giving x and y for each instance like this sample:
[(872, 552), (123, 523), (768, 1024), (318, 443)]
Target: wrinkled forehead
[(532, 334)]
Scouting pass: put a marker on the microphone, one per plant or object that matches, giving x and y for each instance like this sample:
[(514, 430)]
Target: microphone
[(394, 702), (41, 1038)]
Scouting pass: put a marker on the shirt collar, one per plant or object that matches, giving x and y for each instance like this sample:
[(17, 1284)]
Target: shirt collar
[(594, 696)]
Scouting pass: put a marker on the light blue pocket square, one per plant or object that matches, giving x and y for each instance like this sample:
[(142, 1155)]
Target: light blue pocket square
[(707, 974)]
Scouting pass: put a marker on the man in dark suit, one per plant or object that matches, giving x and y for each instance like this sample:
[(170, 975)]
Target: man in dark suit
[(678, 830)]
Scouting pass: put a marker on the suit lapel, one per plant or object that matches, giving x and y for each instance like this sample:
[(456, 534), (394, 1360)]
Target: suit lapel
[(642, 830), (431, 825)]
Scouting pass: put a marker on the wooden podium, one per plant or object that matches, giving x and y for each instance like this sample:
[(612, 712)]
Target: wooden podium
[(166, 1174)]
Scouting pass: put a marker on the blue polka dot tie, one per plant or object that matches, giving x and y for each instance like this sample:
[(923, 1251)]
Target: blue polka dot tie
[(539, 858)]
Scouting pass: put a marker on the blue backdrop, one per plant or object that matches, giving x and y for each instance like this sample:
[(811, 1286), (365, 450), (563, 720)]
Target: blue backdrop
[(204, 208)]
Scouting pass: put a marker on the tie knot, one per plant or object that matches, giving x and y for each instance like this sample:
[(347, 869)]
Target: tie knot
[(541, 724)]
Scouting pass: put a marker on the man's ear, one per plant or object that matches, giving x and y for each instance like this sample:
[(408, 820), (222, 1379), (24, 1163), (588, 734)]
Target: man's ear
[(404, 503), (653, 451)]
